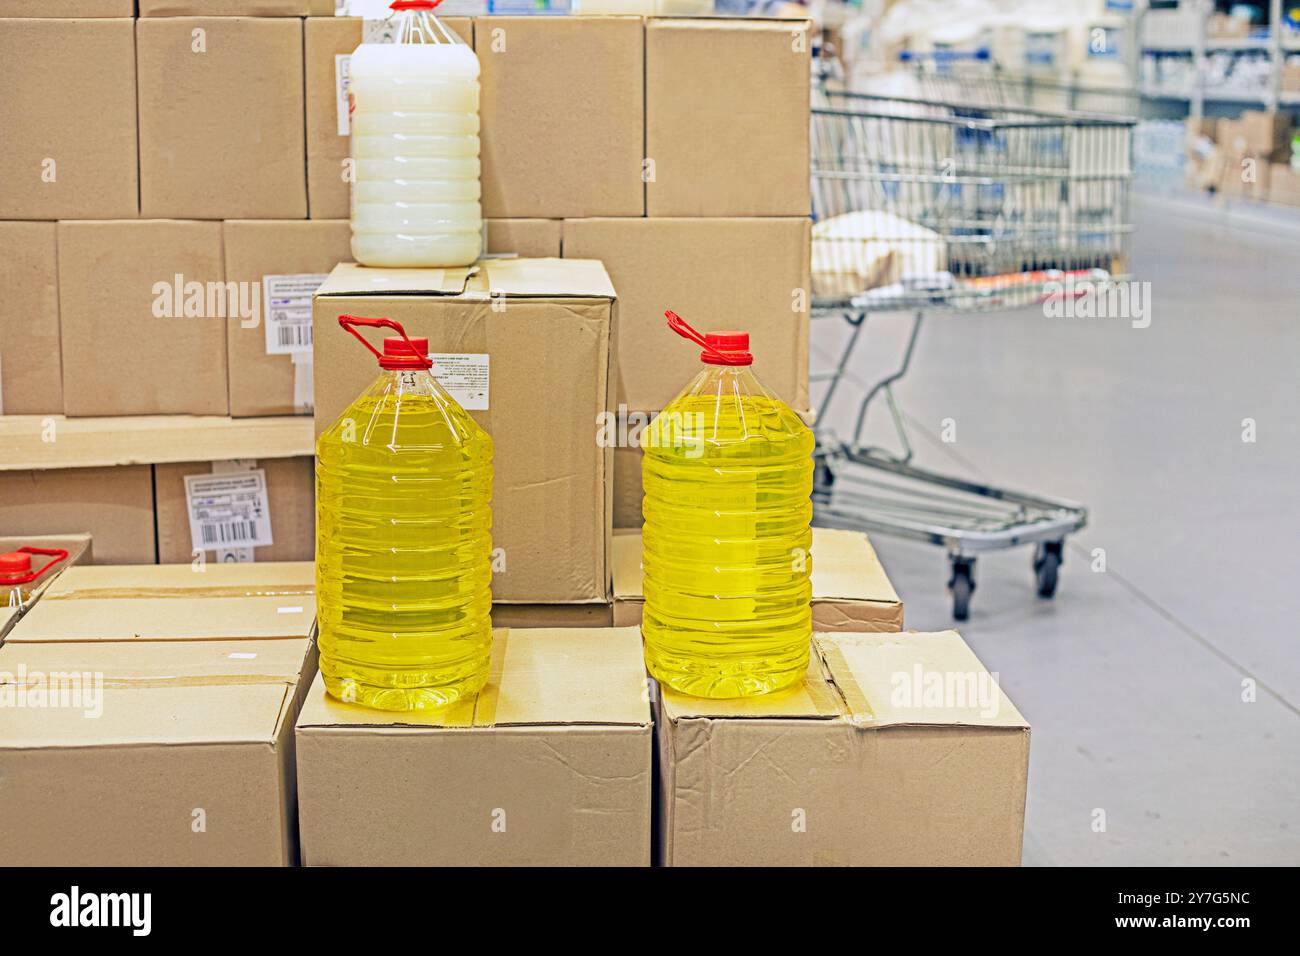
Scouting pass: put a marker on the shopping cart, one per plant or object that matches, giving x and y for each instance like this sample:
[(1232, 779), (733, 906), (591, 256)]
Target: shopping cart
[(924, 206)]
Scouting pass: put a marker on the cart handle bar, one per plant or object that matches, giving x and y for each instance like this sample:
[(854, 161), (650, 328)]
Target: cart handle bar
[(940, 56)]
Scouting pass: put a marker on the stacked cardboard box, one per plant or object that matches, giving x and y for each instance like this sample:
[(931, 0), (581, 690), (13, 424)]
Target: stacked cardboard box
[(1243, 158), (150, 717)]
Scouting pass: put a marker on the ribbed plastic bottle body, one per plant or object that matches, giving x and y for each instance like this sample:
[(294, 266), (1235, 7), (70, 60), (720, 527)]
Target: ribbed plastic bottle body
[(727, 538), (415, 147), (404, 548)]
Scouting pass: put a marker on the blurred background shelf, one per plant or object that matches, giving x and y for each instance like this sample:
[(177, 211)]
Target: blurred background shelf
[(34, 442)]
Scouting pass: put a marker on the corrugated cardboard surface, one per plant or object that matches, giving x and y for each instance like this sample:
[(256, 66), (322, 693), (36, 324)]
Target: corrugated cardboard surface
[(114, 505), (526, 238), (549, 765), (550, 376), (189, 761), (119, 357), (262, 384), (855, 770), (67, 8), (69, 99), (224, 8), (324, 39), (563, 109), (745, 274), (31, 370), (222, 132), (553, 615), (291, 493), (850, 590), (628, 490), (722, 148)]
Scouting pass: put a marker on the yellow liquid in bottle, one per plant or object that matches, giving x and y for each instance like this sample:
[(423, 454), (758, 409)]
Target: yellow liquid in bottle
[(727, 538), (403, 548)]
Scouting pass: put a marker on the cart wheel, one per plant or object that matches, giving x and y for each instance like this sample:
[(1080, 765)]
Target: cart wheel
[(962, 586), (823, 477), (1047, 564)]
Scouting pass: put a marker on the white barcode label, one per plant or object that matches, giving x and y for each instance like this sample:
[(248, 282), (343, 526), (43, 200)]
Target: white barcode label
[(228, 510), (342, 106), (465, 376), (286, 304)]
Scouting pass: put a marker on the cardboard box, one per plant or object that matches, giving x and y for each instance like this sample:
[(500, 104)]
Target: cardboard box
[(542, 330), (328, 40), (69, 119), (224, 8), (31, 368), (563, 111), (850, 590), (113, 505), (1233, 137), (288, 493), (898, 750), (1283, 184), (721, 147), (550, 765), (78, 9), (166, 734), (193, 603), (628, 490), (1267, 133), (282, 261), (748, 274), (553, 615), (128, 297), (222, 129), (526, 238), (1290, 82), (1244, 176)]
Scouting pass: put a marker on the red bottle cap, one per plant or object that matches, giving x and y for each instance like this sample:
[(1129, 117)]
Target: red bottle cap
[(400, 351), (14, 567), (719, 348)]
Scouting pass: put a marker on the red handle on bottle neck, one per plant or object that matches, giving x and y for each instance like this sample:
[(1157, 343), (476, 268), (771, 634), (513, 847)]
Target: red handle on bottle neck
[(709, 351), (350, 322), (57, 553), (398, 6)]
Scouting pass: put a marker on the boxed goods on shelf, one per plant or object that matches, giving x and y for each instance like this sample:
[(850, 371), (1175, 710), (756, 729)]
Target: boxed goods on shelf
[(79, 9), (69, 119), (525, 345), (563, 108), (113, 505), (143, 313), (552, 763), (228, 508), (1283, 184), (720, 147), (31, 371), (283, 262), (328, 43), (192, 682), (221, 118), (850, 590), (899, 749), (749, 274), (1267, 133)]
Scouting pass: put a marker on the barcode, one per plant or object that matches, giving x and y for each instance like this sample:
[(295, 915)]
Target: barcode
[(294, 335), (230, 532)]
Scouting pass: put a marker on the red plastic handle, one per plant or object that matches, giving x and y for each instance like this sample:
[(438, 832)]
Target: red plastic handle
[(57, 553), (350, 322), (400, 5), (717, 356)]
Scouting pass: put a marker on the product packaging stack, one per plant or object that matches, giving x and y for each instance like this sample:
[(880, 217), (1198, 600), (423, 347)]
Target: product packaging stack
[(1253, 156)]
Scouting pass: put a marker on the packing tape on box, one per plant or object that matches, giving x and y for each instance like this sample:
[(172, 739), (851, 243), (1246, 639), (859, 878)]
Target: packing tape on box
[(151, 593), (839, 676)]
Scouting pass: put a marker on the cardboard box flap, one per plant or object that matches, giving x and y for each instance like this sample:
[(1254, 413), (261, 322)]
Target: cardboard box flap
[(914, 679), (348, 278), (113, 695), (540, 677), (625, 560), (272, 617), (845, 568), (264, 579), (546, 278), (814, 699)]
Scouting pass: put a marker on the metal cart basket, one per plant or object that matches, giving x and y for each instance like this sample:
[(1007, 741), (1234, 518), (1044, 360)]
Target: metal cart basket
[(925, 206)]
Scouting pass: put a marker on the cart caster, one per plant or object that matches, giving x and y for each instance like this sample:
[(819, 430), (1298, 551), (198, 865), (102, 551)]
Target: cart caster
[(823, 477), (1047, 564), (962, 586)]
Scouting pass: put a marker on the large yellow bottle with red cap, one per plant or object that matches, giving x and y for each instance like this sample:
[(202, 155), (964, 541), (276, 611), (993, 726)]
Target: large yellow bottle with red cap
[(403, 538), (728, 531)]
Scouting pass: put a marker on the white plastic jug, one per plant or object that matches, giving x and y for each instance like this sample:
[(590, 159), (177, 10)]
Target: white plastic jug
[(415, 146)]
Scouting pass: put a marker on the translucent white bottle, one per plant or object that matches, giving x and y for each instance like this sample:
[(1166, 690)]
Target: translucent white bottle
[(415, 146)]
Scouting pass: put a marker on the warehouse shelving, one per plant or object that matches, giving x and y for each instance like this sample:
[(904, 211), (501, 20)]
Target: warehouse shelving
[(39, 442)]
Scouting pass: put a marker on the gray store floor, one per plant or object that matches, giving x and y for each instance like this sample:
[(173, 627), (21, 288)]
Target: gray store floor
[(1133, 677)]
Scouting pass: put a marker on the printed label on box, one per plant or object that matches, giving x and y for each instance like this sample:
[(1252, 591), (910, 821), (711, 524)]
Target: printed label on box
[(228, 509), (286, 305), (465, 376), (343, 107)]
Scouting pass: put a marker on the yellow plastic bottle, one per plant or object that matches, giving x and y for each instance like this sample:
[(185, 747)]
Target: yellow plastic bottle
[(728, 531), (403, 538)]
